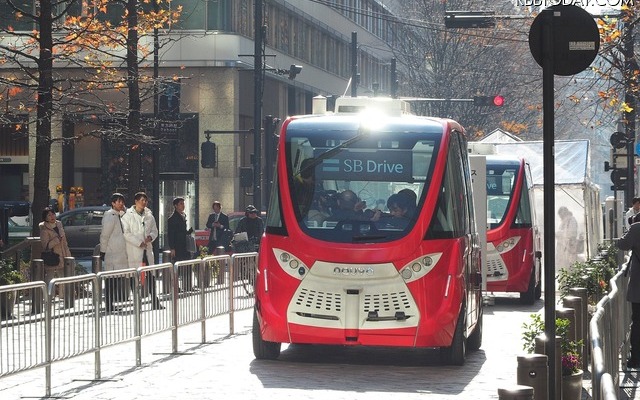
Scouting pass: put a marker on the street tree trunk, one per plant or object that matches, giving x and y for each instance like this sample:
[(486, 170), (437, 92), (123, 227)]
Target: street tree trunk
[(133, 117), (44, 108)]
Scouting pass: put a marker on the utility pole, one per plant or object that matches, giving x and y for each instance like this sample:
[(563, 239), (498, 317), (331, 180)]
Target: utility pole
[(155, 154), (630, 66), (258, 82)]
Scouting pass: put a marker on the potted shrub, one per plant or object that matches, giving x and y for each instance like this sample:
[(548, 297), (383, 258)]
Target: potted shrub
[(571, 359), (593, 274), (8, 276)]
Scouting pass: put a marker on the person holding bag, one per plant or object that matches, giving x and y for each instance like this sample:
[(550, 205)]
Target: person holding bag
[(177, 238), (140, 230), (52, 238)]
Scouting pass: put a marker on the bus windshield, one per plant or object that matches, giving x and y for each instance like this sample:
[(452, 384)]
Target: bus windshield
[(501, 179), (351, 186)]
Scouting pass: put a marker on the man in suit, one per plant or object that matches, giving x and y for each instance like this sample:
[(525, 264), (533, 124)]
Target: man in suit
[(218, 222), (177, 238)]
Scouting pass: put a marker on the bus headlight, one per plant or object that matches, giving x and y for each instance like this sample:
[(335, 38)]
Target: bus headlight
[(419, 267), (507, 244), (290, 264)]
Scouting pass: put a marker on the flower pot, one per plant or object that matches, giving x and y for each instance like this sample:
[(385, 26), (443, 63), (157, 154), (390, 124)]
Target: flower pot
[(572, 386)]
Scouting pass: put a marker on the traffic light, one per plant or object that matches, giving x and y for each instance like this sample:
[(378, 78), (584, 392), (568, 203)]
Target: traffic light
[(246, 177), (618, 165), (208, 151), (488, 101)]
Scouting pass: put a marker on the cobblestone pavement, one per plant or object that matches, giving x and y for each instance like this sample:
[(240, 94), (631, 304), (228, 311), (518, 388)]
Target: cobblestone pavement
[(224, 368)]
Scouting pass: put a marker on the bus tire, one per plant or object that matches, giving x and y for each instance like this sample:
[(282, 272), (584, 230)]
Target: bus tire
[(474, 341), (263, 350), (529, 297), (538, 294), (456, 353)]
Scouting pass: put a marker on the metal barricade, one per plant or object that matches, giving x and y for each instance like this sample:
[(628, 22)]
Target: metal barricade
[(67, 318)]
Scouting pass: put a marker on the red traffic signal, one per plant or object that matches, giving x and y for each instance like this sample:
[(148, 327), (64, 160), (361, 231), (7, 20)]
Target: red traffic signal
[(492, 101)]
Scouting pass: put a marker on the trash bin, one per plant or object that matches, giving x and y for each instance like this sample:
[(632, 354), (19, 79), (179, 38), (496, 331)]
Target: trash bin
[(517, 392), (533, 371)]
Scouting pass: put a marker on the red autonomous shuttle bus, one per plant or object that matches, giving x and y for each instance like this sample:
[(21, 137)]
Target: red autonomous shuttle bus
[(513, 239), (336, 267)]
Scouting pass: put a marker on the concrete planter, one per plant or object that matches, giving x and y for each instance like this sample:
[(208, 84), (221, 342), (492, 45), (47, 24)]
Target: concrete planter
[(572, 386)]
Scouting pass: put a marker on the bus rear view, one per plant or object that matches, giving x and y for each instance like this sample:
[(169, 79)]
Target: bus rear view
[(371, 238)]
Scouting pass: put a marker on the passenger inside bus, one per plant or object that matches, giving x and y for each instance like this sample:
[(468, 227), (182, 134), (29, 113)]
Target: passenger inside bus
[(304, 185), (350, 207), (401, 208)]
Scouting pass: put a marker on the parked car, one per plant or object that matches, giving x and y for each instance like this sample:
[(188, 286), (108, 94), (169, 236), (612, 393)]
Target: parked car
[(82, 226), (17, 232), (202, 235)]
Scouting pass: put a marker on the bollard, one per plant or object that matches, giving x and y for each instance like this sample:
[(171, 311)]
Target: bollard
[(517, 392), (541, 349), (37, 274), (69, 270), (533, 371), (583, 294), (96, 264), (222, 268), (575, 303)]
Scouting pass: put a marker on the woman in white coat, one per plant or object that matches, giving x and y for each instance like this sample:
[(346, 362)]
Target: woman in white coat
[(140, 230), (113, 251)]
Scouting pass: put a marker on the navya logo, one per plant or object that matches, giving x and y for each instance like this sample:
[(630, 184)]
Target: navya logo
[(353, 271)]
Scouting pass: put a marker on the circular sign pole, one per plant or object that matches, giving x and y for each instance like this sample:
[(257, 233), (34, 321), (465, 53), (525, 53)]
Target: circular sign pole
[(564, 40), (548, 157)]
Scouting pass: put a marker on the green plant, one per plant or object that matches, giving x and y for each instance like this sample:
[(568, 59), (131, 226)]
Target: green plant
[(570, 350), (8, 274), (593, 274), (203, 251)]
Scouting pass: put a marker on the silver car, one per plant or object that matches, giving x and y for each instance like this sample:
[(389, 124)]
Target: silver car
[(82, 227)]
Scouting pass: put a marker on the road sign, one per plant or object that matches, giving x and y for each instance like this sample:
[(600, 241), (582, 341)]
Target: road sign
[(576, 39)]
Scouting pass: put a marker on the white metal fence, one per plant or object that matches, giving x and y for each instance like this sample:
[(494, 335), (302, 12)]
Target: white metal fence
[(40, 325)]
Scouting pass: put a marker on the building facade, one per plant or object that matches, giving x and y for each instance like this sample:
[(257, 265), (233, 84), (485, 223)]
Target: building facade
[(211, 52)]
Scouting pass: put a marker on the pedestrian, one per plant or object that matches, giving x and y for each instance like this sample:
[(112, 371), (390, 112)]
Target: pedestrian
[(140, 230), (177, 238), (52, 237), (633, 214), (631, 241), (253, 226), (218, 223), (113, 252), (567, 239)]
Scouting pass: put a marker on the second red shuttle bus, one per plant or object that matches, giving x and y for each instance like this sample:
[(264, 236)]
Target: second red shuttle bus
[(370, 235), (512, 257)]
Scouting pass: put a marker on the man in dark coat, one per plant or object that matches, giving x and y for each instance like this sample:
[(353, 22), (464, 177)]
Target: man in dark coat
[(177, 238), (218, 223), (631, 241)]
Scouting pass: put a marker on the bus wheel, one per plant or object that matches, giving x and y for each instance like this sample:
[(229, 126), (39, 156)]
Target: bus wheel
[(456, 353), (529, 297), (538, 294), (474, 341), (263, 350)]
